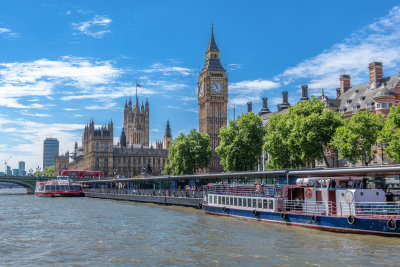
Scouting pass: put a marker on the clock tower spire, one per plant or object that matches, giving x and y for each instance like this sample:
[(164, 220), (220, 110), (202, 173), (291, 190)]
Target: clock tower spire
[(213, 99)]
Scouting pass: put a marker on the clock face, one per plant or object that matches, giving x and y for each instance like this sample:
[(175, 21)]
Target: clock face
[(201, 90), (217, 88)]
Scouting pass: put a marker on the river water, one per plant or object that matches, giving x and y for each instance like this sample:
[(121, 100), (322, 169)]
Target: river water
[(93, 232)]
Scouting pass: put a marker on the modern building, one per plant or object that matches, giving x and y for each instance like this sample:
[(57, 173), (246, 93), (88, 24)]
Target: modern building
[(132, 156), (50, 149), (21, 168), (15, 172), (213, 99)]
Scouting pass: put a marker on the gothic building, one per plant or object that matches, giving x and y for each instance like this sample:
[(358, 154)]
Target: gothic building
[(132, 156), (136, 123), (212, 99)]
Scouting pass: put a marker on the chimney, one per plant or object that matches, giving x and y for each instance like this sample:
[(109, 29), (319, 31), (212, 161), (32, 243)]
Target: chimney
[(285, 102), (249, 106), (264, 109), (285, 97), (375, 72), (304, 92), (344, 83)]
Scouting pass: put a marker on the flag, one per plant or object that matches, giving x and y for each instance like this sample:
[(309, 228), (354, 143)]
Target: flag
[(138, 85)]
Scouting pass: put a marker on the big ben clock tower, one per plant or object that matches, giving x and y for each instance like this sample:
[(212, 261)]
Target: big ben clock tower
[(213, 99)]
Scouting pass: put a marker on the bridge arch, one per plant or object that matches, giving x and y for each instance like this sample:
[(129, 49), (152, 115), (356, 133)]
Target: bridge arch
[(29, 184)]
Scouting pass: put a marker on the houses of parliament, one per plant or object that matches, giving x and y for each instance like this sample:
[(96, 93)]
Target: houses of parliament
[(132, 156)]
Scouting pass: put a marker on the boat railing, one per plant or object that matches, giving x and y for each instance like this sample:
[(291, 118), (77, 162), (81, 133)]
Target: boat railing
[(376, 209), (146, 192), (245, 190), (301, 206)]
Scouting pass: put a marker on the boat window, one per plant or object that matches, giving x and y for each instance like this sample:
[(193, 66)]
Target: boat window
[(244, 202), (231, 201), (210, 199), (271, 204), (240, 201), (260, 204), (265, 202), (215, 199), (48, 187), (249, 202), (58, 188), (254, 203), (219, 200), (223, 200), (53, 188), (235, 201)]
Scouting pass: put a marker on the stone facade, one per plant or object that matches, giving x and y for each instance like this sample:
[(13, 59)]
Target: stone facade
[(212, 99), (130, 157)]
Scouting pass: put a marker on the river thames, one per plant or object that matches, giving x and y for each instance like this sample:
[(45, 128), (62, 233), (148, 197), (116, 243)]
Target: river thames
[(82, 231)]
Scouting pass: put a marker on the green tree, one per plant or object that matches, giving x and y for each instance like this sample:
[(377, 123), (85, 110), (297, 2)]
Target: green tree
[(356, 138), (301, 136), (241, 143), (48, 171), (189, 153), (390, 134)]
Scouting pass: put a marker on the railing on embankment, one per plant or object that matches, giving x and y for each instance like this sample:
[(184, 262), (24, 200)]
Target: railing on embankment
[(167, 197)]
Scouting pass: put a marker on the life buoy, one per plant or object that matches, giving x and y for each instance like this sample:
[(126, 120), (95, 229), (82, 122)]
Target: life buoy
[(224, 209), (351, 219), (283, 216), (255, 213), (314, 218), (308, 193), (392, 224)]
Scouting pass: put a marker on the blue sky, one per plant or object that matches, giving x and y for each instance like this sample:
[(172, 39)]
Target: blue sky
[(65, 62)]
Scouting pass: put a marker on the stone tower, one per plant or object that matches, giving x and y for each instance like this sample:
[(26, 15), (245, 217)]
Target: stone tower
[(212, 99), (98, 147), (167, 136), (136, 123)]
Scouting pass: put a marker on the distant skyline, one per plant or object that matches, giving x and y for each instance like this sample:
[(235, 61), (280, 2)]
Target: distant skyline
[(66, 62)]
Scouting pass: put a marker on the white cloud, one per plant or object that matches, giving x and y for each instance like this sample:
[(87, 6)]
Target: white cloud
[(7, 32), (106, 106), (97, 27), (35, 114), (70, 109), (233, 66), (249, 90), (168, 70), (41, 78), (379, 41)]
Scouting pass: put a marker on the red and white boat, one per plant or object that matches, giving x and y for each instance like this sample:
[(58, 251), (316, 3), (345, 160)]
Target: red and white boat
[(63, 186)]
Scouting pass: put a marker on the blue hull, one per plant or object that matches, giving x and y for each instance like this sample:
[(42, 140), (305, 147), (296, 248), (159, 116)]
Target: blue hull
[(328, 223)]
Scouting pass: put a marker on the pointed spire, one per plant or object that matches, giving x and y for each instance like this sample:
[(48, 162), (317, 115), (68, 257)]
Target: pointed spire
[(168, 130), (212, 46)]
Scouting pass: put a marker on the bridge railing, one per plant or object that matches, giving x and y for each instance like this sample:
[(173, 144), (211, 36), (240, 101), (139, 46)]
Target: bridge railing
[(148, 192)]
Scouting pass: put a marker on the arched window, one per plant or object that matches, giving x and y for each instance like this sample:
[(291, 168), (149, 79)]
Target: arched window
[(97, 147), (106, 147)]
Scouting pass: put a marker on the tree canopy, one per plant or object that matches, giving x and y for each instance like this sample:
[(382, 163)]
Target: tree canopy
[(241, 143), (189, 153), (301, 136), (390, 134), (48, 172), (356, 138)]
